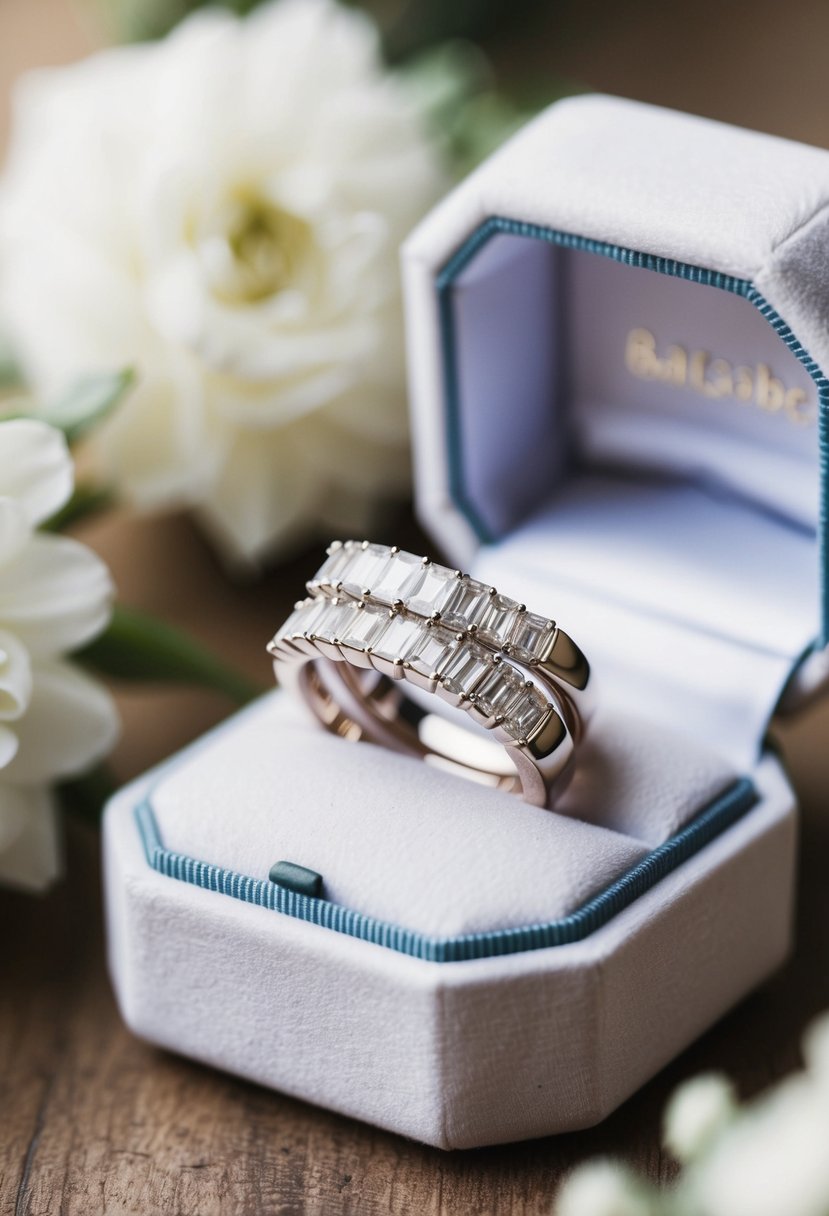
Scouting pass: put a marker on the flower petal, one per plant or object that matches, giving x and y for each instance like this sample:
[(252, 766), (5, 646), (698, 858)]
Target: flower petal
[(15, 529), (157, 448), (29, 839), (70, 724), (35, 467), (8, 750), (55, 595), (265, 489), (15, 678)]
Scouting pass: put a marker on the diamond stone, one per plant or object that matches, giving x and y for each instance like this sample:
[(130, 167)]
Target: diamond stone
[(366, 564), (495, 694), (469, 664), (313, 612), (294, 624), (332, 568), (365, 627), (466, 604), (434, 591), (329, 623), (401, 577), (397, 638), (496, 620), (530, 634), (431, 649), (526, 713)]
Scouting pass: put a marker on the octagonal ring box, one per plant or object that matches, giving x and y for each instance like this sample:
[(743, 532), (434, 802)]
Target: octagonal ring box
[(616, 332)]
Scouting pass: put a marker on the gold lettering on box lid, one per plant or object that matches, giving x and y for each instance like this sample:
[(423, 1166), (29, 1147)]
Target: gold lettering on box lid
[(716, 378)]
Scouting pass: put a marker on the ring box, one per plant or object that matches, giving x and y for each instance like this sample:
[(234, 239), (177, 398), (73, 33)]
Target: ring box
[(616, 334)]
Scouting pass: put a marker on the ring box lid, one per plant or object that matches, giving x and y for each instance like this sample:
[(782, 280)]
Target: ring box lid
[(616, 336)]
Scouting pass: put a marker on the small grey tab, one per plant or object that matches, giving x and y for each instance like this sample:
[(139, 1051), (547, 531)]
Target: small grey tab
[(292, 877)]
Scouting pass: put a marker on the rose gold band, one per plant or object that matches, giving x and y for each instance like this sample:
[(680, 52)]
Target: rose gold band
[(363, 661)]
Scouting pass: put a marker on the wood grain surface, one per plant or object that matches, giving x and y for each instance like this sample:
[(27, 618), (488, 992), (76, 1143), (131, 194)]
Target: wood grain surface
[(93, 1120)]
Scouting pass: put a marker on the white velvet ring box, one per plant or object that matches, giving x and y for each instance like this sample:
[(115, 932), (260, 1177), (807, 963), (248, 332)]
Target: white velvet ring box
[(616, 329)]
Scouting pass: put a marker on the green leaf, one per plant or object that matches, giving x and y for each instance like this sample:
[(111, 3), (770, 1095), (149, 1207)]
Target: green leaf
[(444, 78), (407, 26), (88, 401), (454, 88), (137, 646), (86, 500), (481, 126)]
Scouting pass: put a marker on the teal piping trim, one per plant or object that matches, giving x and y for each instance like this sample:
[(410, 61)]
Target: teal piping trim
[(656, 865), (496, 225)]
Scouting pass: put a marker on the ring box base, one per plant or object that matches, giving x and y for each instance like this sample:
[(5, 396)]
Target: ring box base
[(457, 1054)]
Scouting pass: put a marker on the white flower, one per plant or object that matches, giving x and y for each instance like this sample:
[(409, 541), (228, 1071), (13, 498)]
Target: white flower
[(223, 211), (768, 1158), (54, 596), (773, 1160), (603, 1188), (696, 1115)]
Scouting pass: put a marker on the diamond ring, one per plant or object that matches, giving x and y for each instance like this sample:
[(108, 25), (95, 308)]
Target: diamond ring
[(382, 627)]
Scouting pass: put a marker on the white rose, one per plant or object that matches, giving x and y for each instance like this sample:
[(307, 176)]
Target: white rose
[(223, 212), (55, 595)]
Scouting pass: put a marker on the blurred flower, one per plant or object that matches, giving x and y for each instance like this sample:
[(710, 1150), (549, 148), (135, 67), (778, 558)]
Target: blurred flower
[(222, 211), (697, 1113), (767, 1158), (54, 597), (774, 1159), (603, 1188)]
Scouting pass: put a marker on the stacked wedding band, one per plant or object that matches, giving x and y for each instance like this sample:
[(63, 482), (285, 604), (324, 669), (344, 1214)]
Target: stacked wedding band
[(374, 609)]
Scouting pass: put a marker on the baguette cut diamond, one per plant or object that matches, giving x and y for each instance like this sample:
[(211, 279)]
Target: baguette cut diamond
[(328, 624), (295, 622), (366, 564), (529, 637), (496, 693), (331, 570), (496, 620), (469, 664), (365, 627), (397, 638), (431, 649), (466, 604), (314, 611), (400, 578), (526, 714), (434, 590)]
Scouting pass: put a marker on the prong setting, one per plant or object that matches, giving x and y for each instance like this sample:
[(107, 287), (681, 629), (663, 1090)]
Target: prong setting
[(423, 588)]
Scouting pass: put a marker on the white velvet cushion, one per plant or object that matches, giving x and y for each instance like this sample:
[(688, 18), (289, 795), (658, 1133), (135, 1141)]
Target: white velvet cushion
[(403, 842)]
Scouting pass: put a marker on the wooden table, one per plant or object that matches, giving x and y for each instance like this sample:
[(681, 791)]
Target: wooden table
[(91, 1119)]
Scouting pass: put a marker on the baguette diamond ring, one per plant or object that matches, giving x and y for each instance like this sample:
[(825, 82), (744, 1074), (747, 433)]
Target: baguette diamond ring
[(378, 619)]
